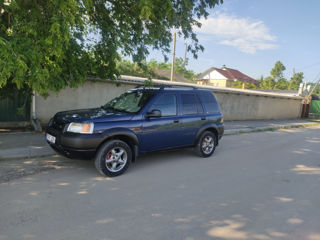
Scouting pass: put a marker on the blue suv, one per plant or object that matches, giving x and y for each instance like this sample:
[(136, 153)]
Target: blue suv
[(141, 120)]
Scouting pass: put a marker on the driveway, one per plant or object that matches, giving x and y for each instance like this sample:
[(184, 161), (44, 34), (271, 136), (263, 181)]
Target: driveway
[(256, 186)]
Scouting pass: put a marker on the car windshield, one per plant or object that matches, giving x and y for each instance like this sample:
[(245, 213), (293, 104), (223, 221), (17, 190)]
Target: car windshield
[(131, 102)]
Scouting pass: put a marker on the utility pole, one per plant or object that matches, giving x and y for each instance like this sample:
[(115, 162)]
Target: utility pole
[(173, 55), (293, 73), (185, 56)]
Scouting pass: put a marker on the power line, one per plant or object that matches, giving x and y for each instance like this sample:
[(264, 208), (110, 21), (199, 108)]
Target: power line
[(308, 66), (316, 78)]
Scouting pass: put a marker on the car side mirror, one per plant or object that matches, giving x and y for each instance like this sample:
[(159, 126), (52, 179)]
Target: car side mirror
[(155, 113)]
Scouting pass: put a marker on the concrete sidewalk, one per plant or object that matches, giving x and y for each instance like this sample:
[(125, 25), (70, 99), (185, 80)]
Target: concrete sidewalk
[(236, 127), (23, 145), (29, 144)]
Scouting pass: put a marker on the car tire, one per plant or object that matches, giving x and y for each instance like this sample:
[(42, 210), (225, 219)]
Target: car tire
[(113, 158), (206, 144)]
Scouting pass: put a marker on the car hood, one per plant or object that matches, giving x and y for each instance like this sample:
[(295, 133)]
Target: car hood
[(91, 115)]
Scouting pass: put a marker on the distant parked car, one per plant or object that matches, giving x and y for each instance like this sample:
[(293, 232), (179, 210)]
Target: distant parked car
[(139, 121)]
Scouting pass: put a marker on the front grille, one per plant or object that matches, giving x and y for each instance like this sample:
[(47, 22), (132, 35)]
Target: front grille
[(57, 125)]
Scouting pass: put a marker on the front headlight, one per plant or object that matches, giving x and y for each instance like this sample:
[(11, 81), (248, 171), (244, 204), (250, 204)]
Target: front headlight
[(86, 128)]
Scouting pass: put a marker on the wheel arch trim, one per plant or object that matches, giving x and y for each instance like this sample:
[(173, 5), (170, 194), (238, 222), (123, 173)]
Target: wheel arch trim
[(124, 135), (208, 127)]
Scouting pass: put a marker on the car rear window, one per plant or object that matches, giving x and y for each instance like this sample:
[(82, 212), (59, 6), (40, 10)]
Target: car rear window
[(210, 102), (191, 104)]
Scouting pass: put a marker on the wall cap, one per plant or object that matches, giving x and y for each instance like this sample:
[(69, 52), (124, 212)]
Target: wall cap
[(139, 80)]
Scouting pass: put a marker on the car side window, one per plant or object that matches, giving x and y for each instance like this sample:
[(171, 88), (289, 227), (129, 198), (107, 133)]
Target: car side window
[(167, 104), (210, 102), (191, 104)]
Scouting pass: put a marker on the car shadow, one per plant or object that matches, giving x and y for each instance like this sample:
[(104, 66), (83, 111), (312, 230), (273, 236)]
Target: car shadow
[(164, 158)]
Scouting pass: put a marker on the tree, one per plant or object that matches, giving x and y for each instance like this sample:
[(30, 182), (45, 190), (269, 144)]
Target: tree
[(295, 81), (277, 75), (48, 44), (248, 85), (268, 83), (181, 69), (281, 84), (276, 80), (277, 71), (126, 67)]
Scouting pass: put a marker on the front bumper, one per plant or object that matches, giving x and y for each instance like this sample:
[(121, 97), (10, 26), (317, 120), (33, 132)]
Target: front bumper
[(74, 145)]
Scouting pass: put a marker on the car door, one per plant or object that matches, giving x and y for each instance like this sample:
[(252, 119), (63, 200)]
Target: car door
[(192, 117), (161, 132)]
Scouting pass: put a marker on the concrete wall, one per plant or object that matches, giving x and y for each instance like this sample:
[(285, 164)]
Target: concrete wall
[(90, 94), (241, 106), (236, 104)]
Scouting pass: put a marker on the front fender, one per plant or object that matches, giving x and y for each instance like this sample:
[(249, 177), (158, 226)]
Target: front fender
[(120, 132), (125, 135)]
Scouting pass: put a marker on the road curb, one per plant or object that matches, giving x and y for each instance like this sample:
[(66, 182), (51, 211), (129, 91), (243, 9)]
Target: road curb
[(26, 153), (231, 132), (19, 158)]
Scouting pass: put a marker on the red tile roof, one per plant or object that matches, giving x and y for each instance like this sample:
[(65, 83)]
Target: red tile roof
[(230, 73)]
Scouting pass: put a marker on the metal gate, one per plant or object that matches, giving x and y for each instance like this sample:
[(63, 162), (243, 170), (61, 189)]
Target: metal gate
[(15, 108)]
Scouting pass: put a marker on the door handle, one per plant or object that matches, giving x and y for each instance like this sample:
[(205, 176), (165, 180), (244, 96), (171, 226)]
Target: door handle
[(203, 118), (176, 121)]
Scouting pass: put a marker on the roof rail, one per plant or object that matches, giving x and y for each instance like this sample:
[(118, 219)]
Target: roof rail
[(162, 86), (176, 86)]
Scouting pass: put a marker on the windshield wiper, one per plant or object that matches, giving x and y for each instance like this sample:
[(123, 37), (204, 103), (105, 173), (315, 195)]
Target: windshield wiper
[(120, 110), (107, 107), (114, 109)]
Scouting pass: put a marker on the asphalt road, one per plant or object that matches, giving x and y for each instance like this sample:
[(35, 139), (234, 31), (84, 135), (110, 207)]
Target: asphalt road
[(256, 186)]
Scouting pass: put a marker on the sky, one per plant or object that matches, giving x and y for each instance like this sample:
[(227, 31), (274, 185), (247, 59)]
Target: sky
[(251, 35)]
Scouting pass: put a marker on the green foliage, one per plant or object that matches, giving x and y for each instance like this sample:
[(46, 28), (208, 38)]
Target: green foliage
[(238, 84), (277, 71), (281, 84), (126, 67), (316, 90), (268, 83), (48, 45), (146, 69), (295, 81), (277, 81), (180, 69)]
